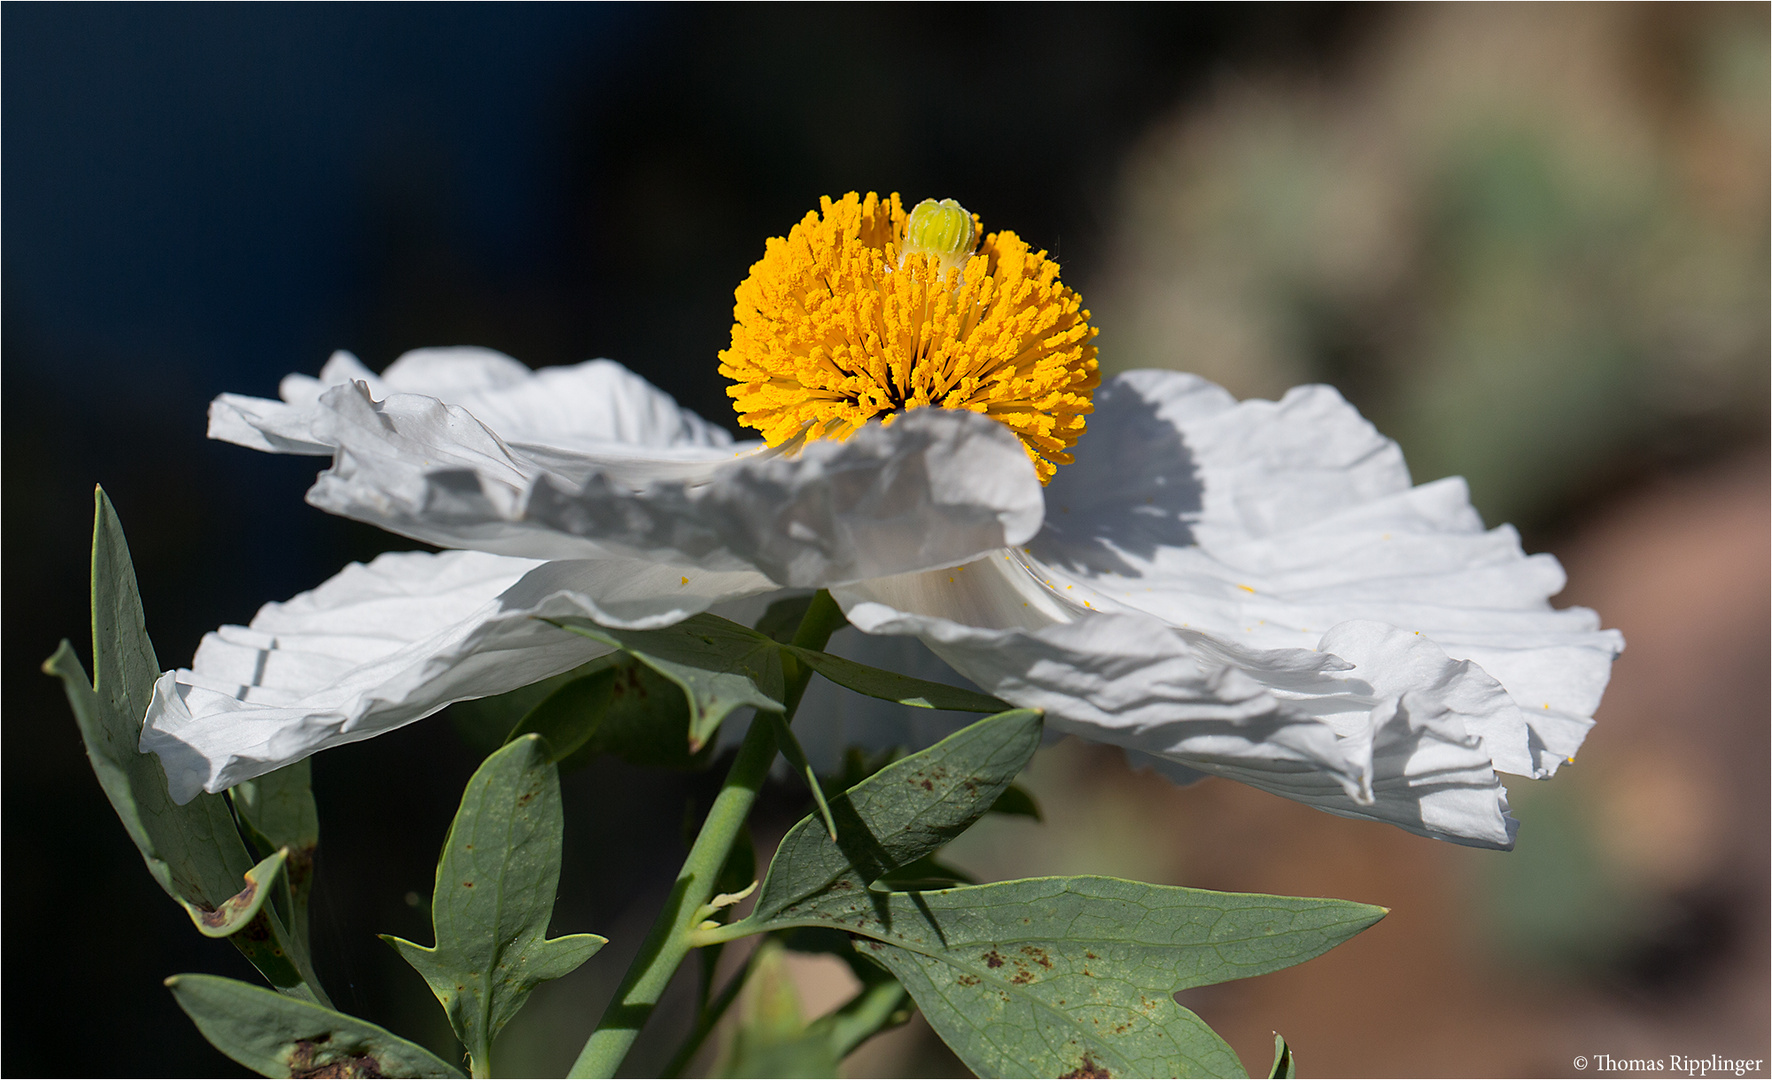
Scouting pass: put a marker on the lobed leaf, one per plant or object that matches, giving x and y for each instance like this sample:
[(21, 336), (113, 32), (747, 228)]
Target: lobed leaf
[(194, 851), (1074, 976), (1042, 977), (275, 1035), (903, 812), (494, 897)]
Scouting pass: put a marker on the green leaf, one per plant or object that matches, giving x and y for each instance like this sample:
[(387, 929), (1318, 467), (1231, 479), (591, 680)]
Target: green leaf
[(237, 912), (1050, 976), (280, 1036), (569, 716), (783, 618), (1043, 977), (1284, 1068), (903, 812), (624, 709), (891, 686), (194, 851), (925, 873), (494, 897), (278, 813), (790, 747), (485, 724), (720, 665)]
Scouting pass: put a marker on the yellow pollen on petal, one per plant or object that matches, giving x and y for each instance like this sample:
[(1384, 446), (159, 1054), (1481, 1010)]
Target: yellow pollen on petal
[(864, 311)]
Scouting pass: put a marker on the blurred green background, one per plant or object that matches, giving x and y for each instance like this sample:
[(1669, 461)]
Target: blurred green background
[(1529, 242)]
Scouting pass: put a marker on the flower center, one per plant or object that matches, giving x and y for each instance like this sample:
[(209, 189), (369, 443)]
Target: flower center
[(864, 311)]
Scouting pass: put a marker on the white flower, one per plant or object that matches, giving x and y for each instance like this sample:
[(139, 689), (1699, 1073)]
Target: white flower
[(597, 496), (1255, 590), (1251, 590)]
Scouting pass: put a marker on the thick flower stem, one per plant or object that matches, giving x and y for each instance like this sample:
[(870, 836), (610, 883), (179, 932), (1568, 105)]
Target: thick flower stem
[(669, 941)]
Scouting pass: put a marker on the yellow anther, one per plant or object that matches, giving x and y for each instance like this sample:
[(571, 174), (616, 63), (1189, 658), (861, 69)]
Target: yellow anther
[(833, 329)]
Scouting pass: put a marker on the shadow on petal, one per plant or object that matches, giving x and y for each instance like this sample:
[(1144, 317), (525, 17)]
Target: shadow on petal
[(1133, 488)]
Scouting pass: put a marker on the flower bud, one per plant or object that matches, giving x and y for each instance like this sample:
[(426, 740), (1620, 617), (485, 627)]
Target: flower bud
[(943, 229)]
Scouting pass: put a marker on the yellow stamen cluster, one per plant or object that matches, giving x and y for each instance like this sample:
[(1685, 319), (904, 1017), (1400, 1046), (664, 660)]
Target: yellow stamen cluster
[(844, 320)]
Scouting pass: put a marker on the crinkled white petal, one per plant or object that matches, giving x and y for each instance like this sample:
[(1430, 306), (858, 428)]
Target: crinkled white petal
[(1373, 726), (591, 461), (1267, 523), (381, 645), (582, 406)]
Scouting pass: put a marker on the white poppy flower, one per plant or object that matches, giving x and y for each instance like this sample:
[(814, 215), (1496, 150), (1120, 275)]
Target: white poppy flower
[(1254, 590), (1250, 590)]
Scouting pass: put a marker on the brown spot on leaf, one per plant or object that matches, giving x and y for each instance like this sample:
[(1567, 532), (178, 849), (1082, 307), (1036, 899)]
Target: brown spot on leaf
[(1087, 1069), (305, 1060), (1089, 955), (230, 908), (993, 959), (1038, 954), (1022, 977), (467, 884), (358, 1065), (967, 980), (928, 785)]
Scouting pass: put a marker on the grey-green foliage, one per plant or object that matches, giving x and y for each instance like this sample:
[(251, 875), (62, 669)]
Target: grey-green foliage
[(1041, 977), (1057, 976), (194, 851), (623, 708), (1283, 1068), (494, 897), (903, 812), (280, 1036), (891, 686), (278, 813), (720, 665)]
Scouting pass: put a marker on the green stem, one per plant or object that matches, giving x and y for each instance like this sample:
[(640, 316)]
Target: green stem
[(669, 941)]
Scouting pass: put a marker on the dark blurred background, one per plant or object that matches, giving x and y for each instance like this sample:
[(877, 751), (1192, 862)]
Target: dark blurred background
[(1529, 242)]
